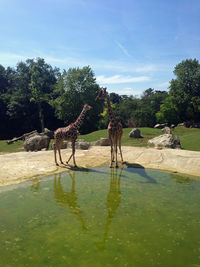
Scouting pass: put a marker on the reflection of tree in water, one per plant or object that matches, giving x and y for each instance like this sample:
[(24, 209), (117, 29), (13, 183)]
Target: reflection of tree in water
[(68, 199), (181, 179), (112, 204)]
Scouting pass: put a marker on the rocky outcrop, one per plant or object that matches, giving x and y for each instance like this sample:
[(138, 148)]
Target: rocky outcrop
[(37, 142), (165, 141), (160, 125), (80, 144), (48, 133), (135, 133), (189, 124), (166, 130), (84, 145), (102, 142)]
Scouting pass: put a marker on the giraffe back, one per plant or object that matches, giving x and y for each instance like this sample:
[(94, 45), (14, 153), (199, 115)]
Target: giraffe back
[(69, 133)]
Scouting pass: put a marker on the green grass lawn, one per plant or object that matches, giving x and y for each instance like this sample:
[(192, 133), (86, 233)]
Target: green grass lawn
[(147, 133), (189, 137), (15, 147)]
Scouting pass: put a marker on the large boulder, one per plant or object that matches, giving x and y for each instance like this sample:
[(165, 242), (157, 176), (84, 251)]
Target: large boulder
[(84, 145), (102, 142), (165, 141), (135, 133), (80, 144), (166, 130), (36, 143), (48, 133), (29, 135), (160, 125)]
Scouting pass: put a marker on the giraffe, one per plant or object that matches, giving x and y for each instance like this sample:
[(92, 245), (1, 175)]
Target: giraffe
[(115, 130), (112, 204), (69, 133), (68, 199)]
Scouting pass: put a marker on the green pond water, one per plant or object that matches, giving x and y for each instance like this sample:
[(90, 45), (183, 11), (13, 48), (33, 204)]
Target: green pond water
[(101, 217)]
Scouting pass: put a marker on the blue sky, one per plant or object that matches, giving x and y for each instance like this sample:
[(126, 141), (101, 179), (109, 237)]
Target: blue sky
[(131, 45)]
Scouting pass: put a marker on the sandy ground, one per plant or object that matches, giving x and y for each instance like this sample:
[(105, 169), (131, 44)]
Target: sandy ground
[(22, 166)]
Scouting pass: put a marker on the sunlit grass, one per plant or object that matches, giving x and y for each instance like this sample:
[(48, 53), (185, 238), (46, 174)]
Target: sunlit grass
[(14, 147), (146, 133), (189, 137)]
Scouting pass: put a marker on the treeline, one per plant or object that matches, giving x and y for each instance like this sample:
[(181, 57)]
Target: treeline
[(35, 95)]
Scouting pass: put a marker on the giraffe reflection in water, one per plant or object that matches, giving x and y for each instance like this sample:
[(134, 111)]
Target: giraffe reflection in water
[(35, 185), (68, 199), (112, 204)]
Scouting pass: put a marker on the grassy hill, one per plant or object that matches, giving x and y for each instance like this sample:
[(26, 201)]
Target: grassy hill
[(147, 133), (189, 137)]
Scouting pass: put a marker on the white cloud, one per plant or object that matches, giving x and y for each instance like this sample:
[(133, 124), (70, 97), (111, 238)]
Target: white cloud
[(123, 49), (117, 79), (7, 59), (163, 85), (11, 59), (146, 68), (126, 91)]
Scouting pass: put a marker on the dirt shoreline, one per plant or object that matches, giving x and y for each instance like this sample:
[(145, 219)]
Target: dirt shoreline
[(21, 166)]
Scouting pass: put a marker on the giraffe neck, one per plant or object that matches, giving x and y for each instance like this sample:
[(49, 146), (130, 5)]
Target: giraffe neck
[(80, 118), (111, 115)]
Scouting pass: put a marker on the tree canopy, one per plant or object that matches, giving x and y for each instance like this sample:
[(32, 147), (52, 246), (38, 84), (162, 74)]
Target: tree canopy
[(183, 102), (35, 95), (77, 87)]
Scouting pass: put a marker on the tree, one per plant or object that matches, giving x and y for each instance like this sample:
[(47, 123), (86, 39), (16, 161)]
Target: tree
[(7, 77), (125, 110), (115, 98), (184, 94), (42, 81), (148, 106), (75, 88), (29, 103), (168, 112)]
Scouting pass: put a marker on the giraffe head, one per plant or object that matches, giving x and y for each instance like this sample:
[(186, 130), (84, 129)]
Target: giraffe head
[(87, 107), (102, 94)]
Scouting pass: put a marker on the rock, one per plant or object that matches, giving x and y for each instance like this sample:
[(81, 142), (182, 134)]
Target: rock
[(196, 125), (135, 133), (102, 142), (36, 143), (182, 124), (165, 141), (49, 133), (84, 145), (166, 130), (80, 144), (64, 145), (160, 126), (27, 136), (172, 126)]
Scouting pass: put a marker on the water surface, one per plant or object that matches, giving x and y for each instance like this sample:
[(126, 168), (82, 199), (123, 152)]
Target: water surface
[(101, 217)]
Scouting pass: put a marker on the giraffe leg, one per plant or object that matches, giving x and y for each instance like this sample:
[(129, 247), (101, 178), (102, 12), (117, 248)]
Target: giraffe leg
[(69, 158), (58, 147), (120, 149), (115, 147), (73, 153), (111, 153), (55, 150)]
